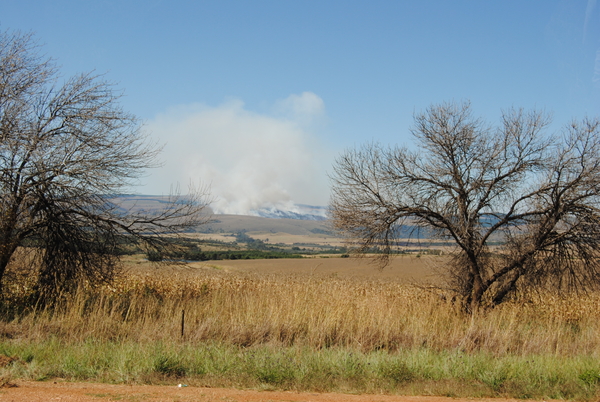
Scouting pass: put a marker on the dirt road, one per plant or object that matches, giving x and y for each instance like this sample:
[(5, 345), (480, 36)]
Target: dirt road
[(87, 392)]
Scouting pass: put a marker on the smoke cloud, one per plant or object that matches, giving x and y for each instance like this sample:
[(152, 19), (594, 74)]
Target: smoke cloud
[(251, 161)]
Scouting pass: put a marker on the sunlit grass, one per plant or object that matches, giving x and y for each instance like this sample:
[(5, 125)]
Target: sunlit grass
[(307, 333)]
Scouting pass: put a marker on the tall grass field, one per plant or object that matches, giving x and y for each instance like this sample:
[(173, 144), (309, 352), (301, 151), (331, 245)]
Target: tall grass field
[(210, 327)]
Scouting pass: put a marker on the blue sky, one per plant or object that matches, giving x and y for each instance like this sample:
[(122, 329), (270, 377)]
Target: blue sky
[(256, 98)]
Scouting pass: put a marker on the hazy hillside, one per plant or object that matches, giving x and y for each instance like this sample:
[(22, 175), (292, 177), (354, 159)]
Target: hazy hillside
[(234, 223), (238, 223)]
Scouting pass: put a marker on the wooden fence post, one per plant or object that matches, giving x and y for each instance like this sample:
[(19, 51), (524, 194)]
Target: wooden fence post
[(182, 323)]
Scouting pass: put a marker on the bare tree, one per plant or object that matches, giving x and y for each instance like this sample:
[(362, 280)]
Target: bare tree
[(66, 150), (537, 195)]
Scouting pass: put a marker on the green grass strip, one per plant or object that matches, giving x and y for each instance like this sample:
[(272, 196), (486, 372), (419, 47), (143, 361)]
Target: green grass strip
[(413, 372)]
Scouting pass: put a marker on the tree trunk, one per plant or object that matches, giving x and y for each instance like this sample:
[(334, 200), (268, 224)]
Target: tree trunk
[(476, 293), (477, 286), (8, 245), (6, 253)]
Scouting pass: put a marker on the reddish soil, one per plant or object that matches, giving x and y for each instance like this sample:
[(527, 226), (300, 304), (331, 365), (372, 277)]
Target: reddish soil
[(83, 392)]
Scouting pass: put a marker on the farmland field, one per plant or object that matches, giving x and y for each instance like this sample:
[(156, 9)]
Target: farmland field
[(402, 269), (319, 324)]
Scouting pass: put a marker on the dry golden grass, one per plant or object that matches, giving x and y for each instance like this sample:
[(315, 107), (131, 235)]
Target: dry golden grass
[(224, 302), (330, 324)]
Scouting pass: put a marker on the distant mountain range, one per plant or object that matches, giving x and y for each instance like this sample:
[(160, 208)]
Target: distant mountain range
[(156, 202), (299, 219)]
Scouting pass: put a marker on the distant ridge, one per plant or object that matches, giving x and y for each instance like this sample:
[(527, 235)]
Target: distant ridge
[(155, 202), (300, 212)]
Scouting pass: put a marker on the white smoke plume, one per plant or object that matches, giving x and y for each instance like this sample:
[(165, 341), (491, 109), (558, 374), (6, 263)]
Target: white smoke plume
[(251, 161)]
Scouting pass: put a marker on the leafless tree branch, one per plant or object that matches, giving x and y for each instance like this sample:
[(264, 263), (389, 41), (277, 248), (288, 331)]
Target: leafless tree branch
[(67, 149), (537, 193)]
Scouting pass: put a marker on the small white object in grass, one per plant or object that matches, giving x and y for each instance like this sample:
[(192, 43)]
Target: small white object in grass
[(182, 385)]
